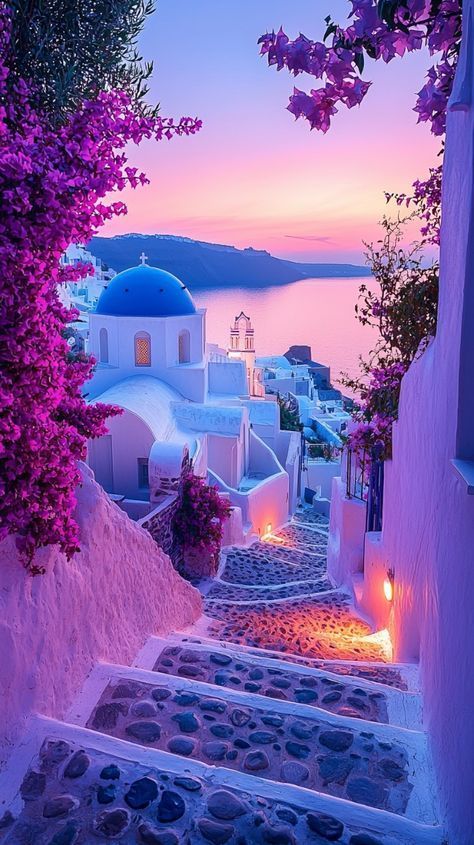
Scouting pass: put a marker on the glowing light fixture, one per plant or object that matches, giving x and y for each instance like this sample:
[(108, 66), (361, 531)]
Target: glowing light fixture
[(269, 528), (388, 585)]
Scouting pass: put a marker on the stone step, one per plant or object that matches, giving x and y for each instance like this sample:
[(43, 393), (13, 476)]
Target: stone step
[(364, 762), (322, 626), (309, 517), (402, 676), (298, 535), (222, 591), (86, 787), (270, 677), (255, 567), (241, 565)]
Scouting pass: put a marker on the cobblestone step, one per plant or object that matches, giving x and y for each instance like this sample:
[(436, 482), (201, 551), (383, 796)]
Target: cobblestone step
[(240, 593), (292, 731), (404, 677), (83, 787), (320, 626), (364, 762), (307, 516), (283, 680)]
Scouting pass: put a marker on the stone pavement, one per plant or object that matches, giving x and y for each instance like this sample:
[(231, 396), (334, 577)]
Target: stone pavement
[(278, 719)]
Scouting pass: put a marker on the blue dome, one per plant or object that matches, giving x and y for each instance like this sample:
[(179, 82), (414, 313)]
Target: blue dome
[(145, 291)]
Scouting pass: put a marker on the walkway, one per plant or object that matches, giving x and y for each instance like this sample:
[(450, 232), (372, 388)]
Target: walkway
[(277, 719)]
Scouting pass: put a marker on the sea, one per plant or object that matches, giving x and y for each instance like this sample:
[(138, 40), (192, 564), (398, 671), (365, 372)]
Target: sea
[(316, 312)]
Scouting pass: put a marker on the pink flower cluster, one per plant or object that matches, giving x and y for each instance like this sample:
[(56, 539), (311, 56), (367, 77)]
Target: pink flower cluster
[(53, 180), (426, 200), (378, 412), (377, 30), (199, 517)]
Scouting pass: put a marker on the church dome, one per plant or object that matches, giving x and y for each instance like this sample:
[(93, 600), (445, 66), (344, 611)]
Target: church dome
[(145, 291)]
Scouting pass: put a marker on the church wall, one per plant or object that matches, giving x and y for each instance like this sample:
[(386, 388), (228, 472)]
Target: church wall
[(428, 533), (164, 332), (188, 378), (173, 327), (101, 605), (190, 381)]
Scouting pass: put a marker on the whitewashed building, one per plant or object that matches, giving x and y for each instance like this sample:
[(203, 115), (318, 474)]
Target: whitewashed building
[(181, 399)]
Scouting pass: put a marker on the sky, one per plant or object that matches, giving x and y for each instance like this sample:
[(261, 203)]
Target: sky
[(254, 176)]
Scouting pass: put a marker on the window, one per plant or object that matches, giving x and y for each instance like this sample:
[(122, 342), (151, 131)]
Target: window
[(142, 350), (184, 347), (143, 473), (103, 346)]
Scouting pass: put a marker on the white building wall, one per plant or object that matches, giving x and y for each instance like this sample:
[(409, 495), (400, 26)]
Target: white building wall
[(228, 377), (319, 474), (428, 520), (224, 458), (131, 439)]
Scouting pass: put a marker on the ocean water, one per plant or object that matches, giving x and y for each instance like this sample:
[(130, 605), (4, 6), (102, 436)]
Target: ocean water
[(316, 312)]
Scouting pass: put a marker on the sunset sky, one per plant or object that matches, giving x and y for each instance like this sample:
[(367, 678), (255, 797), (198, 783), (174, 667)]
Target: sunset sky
[(253, 176)]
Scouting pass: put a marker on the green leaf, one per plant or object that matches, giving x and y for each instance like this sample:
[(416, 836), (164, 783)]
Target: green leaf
[(359, 62)]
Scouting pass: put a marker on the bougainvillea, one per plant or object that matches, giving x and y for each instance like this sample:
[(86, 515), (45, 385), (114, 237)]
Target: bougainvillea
[(378, 29), (426, 203), (199, 517), (379, 409), (53, 180), (404, 308)]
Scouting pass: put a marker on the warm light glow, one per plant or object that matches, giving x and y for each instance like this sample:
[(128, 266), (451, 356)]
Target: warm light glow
[(268, 532), (382, 640), (388, 589)]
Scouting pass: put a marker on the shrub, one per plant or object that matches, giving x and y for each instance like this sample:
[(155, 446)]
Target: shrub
[(199, 517)]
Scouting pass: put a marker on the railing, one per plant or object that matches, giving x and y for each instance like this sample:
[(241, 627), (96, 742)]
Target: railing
[(357, 472), (375, 494), (364, 481)]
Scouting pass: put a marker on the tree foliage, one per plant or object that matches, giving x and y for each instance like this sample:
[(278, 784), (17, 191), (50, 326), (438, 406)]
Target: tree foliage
[(70, 50), (289, 416)]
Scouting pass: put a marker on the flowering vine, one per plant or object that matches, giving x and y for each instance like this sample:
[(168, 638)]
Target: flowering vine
[(404, 308), (378, 29), (54, 176)]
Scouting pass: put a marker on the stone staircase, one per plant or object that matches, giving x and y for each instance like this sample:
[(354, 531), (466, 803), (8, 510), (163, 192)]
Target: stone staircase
[(277, 719)]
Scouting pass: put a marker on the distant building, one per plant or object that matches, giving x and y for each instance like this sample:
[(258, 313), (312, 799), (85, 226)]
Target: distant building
[(320, 373), (86, 292), (306, 385)]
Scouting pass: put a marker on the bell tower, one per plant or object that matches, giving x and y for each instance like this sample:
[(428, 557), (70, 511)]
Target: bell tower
[(242, 347)]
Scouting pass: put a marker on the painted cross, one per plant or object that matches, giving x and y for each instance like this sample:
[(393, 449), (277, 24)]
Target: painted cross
[(143, 258)]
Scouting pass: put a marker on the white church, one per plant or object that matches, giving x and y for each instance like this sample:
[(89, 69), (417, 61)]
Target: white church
[(183, 399)]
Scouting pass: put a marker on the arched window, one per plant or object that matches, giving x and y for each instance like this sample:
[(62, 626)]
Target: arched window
[(103, 346), (184, 347), (142, 349)]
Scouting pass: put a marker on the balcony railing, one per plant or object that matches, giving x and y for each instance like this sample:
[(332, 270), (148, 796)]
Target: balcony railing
[(357, 469), (364, 481)]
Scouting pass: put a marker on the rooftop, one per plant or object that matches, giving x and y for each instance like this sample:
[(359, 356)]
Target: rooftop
[(145, 291)]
